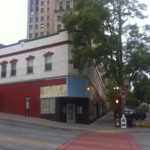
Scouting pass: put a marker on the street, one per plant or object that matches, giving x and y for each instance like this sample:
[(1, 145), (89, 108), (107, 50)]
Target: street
[(100, 135), (20, 136), (142, 139)]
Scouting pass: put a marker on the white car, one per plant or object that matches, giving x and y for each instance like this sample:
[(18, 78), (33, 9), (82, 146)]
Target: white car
[(128, 111)]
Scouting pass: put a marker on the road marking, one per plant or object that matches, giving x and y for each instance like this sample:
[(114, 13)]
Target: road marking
[(27, 142), (106, 131)]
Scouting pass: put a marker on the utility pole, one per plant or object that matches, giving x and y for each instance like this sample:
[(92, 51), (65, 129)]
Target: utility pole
[(120, 59)]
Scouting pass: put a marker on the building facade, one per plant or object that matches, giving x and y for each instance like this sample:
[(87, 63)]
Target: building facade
[(37, 80), (44, 16)]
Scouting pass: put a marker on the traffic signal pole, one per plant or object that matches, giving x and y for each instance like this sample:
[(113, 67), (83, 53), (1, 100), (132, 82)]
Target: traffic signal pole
[(120, 64)]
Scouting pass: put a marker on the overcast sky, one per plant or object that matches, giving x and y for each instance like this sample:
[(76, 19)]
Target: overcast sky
[(13, 20)]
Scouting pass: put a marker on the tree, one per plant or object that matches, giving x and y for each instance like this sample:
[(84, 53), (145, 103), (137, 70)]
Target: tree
[(103, 34), (86, 23), (112, 92), (131, 100), (142, 89)]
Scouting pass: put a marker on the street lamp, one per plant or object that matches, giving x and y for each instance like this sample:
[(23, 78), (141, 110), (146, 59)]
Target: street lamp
[(116, 88), (88, 89)]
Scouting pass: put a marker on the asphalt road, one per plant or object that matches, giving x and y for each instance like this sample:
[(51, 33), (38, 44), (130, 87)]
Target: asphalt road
[(19, 136), (25, 136), (142, 138)]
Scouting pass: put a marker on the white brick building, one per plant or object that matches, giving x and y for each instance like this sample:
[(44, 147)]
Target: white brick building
[(39, 69)]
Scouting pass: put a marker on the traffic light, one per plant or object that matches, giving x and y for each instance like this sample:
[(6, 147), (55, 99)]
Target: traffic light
[(117, 101)]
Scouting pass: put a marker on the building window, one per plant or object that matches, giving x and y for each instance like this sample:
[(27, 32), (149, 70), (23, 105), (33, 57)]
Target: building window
[(48, 63), (30, 27), (42, 33), (47, 25), (48, 2), (58, 18), (42, 10), (48, 9), (30, 35), (42, 18), (37, 2), (31, 6), (37, 6), (4, 69), (67, 4), (36, 35), (13, 69), (42, 3), (30, 64), (31, 20), (36, 26), (79, 110), (58, 28), (48, 106), (47, 18), (37, 9), (60, 5), (75, 65), (36, 19)]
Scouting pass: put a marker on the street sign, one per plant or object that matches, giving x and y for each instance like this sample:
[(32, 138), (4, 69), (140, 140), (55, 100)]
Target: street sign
[(123, 91)]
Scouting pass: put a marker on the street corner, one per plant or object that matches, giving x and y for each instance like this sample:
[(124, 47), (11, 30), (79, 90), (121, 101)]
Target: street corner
[(101, 140)]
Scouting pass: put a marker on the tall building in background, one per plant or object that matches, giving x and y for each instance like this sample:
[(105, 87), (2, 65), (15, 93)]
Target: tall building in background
[(44, 16)]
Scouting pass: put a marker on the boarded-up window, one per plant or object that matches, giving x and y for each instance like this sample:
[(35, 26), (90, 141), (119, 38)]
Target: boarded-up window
[(48, 106)]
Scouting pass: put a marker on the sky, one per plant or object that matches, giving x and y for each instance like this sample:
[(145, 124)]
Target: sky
[(13, 20)]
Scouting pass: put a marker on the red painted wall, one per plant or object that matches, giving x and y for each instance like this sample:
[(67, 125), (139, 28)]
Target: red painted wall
[(12, 96)]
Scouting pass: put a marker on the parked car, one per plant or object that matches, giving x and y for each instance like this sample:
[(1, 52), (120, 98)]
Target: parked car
[(128, 111), (139, 115)]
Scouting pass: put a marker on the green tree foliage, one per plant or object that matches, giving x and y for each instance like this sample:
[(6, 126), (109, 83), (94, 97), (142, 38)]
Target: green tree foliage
[(112, 92), (138, 61), (102, 33), (86, 23), (97, 27), (131, 100), (142, 89)]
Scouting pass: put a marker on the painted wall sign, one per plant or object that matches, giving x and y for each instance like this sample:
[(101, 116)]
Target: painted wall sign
[(57, 90)]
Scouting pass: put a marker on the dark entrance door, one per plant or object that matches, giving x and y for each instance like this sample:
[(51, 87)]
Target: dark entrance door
[(71, 113)]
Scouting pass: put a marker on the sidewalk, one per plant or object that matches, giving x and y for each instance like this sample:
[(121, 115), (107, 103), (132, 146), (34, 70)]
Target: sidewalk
[(101, 141), (105, 123)]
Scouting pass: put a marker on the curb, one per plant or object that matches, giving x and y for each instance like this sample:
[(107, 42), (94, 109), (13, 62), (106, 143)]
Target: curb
[(145, 124)]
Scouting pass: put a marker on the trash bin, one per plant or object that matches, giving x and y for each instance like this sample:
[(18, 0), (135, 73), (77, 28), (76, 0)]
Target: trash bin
[(129, 120)]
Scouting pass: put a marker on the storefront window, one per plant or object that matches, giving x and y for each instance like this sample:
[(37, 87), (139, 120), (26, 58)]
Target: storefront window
[(48, 106), (64, 109), (79, 110)]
